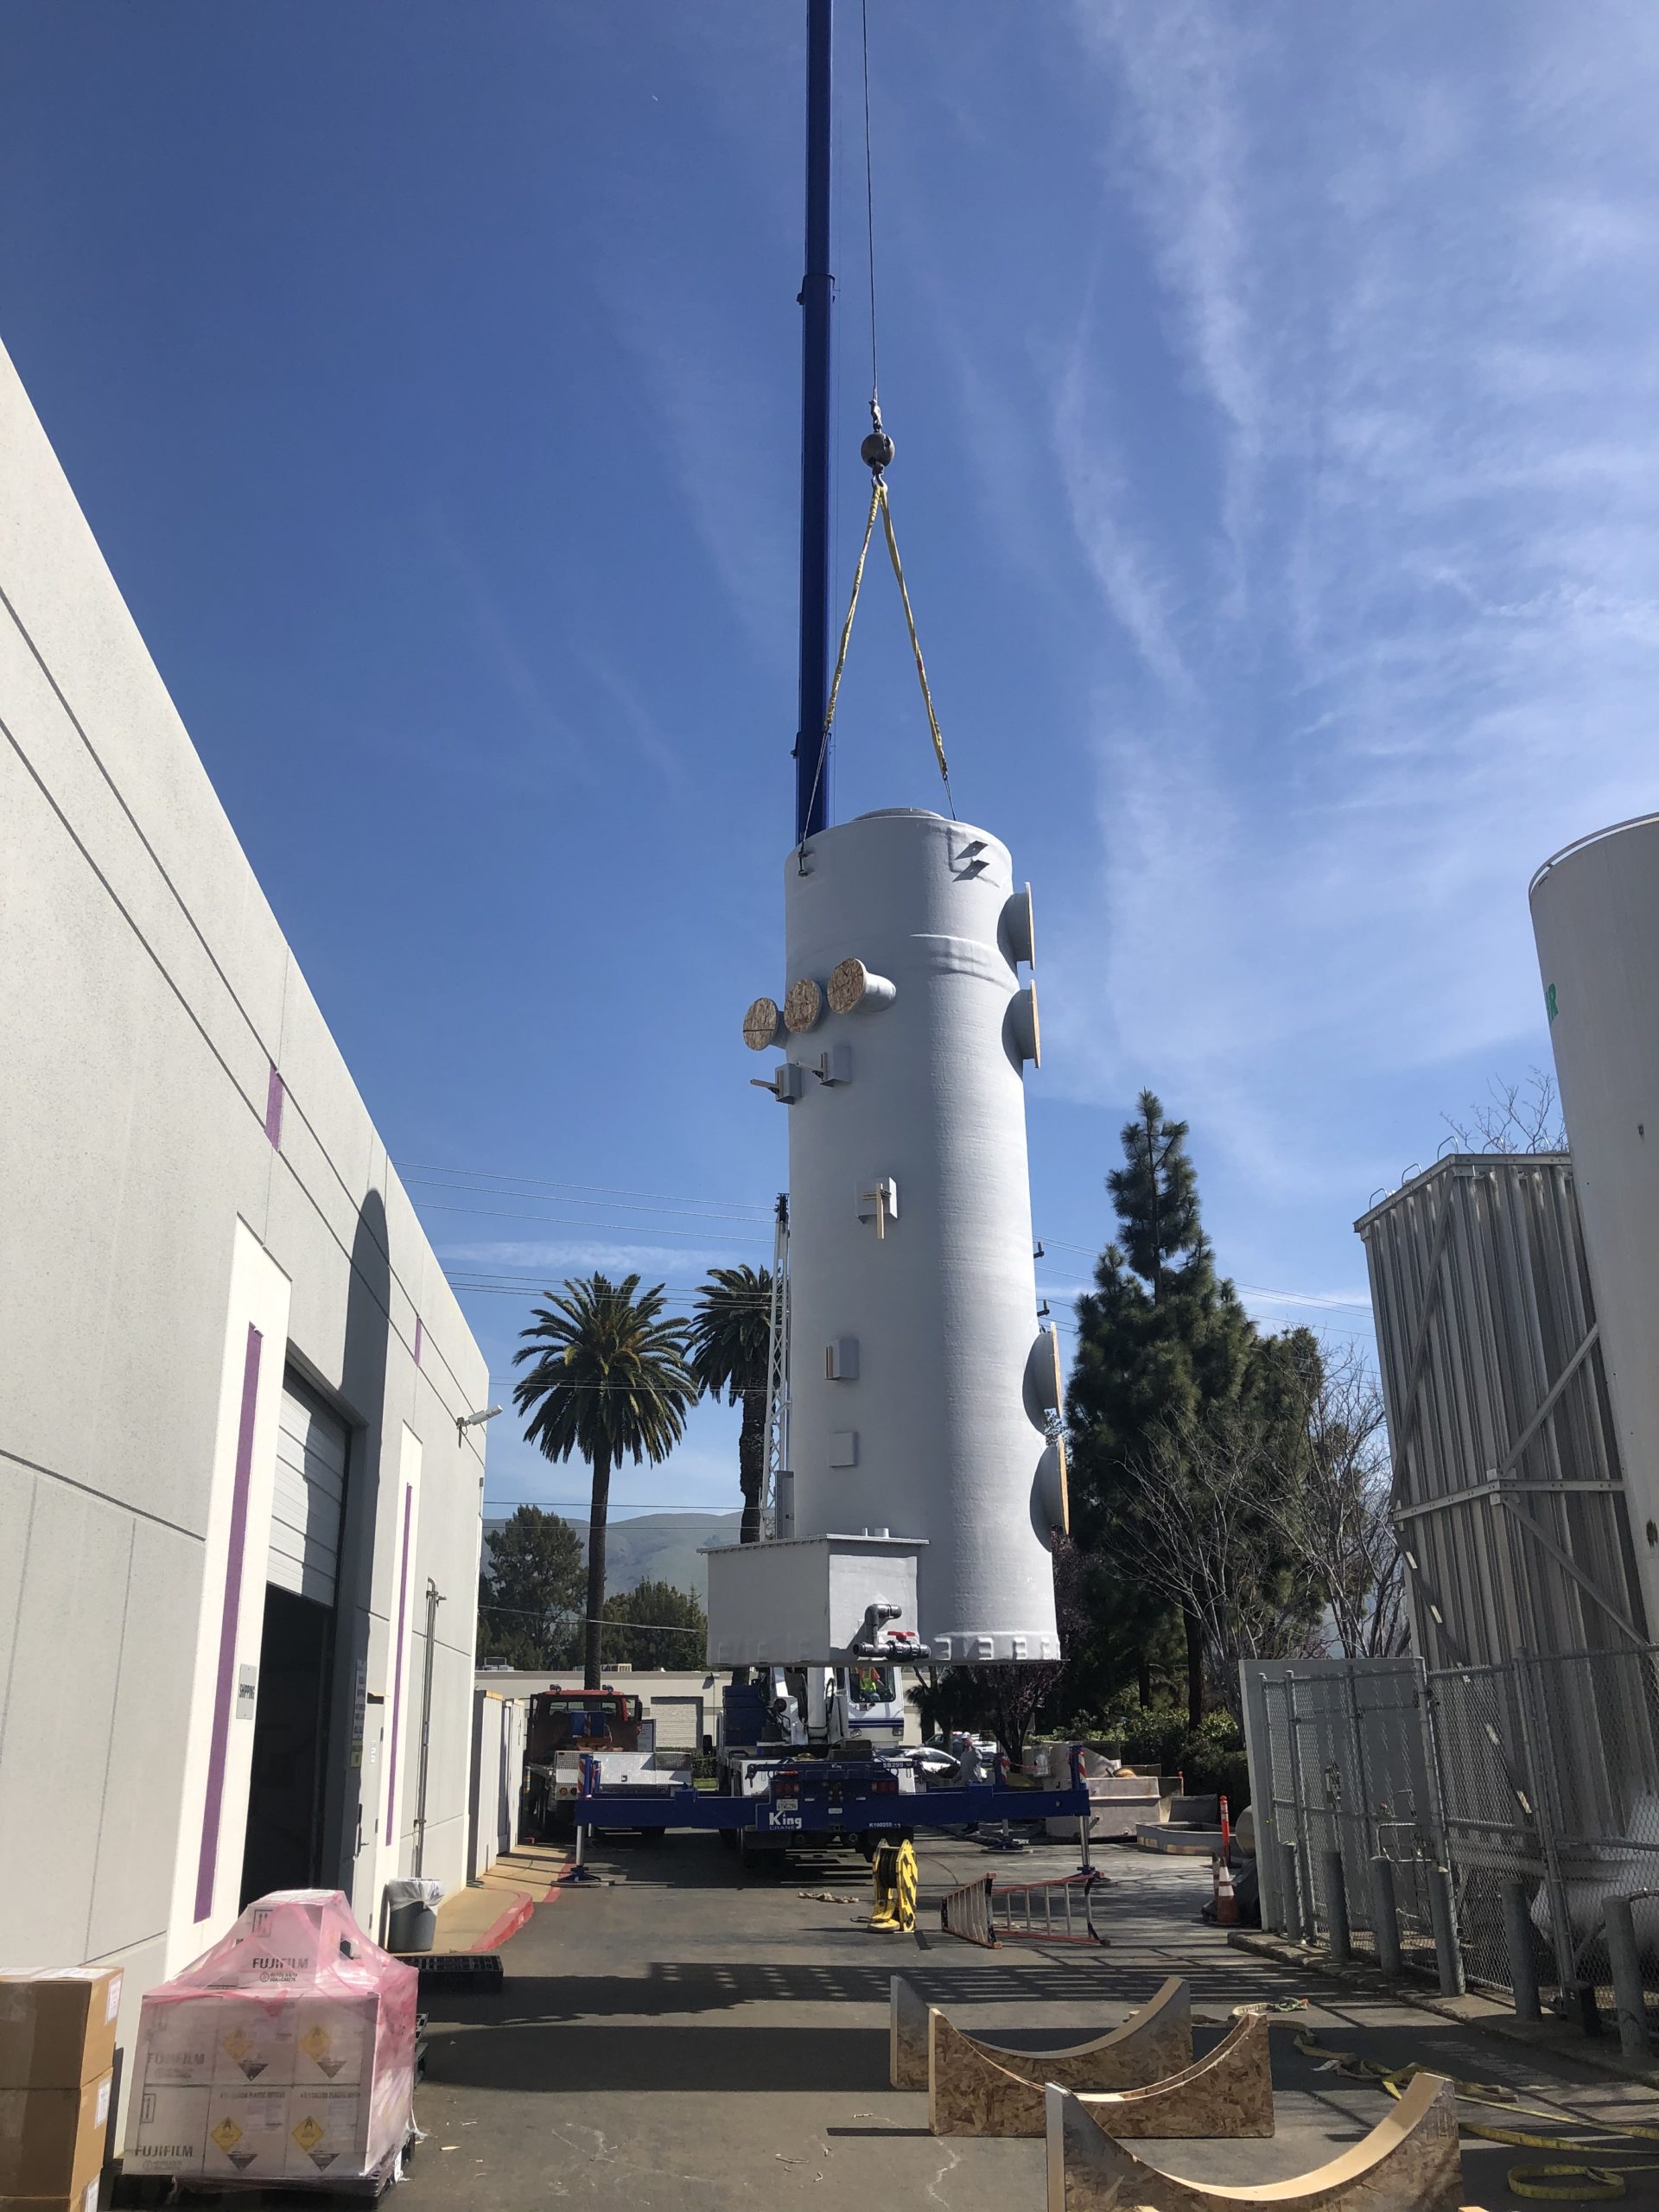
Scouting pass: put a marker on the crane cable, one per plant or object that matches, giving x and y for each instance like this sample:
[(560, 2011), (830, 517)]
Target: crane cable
[(877, 453)]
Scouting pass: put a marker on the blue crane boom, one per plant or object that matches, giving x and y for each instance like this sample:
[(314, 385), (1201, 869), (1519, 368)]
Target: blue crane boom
[(818, 305)]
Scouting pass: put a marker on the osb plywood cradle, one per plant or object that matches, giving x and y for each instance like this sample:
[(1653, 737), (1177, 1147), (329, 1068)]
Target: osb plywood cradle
[(1153, 2042), (1408, 2162), (1228, 2092)]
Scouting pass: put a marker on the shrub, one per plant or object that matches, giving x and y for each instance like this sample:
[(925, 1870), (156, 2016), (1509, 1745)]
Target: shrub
[(1209, 1757)]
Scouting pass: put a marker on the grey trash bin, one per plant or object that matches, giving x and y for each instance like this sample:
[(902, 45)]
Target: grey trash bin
[(410, 1928), (411, 1921)]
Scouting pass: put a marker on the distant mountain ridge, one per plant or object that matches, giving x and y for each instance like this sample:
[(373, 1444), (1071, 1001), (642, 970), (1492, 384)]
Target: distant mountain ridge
[(654, 1547)]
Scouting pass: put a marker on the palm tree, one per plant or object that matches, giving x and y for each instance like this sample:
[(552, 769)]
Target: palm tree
[(731, 1351), (610, 1382)]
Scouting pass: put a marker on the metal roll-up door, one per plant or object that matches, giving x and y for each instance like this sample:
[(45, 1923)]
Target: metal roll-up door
[(310, 1491), (679, 1723)]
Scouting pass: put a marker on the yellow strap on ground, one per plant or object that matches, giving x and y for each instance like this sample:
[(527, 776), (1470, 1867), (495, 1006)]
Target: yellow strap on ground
[(915, 644), (1371, 2070), (1575, 2183), (1566, 2184)]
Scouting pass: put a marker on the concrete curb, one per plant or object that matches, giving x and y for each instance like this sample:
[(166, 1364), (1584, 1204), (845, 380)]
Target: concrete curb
[(516, 1916), (1601, 2054)]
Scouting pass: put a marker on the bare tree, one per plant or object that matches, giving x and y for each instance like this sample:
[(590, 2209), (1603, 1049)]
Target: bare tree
[(1517, 1117), (1205, 1537), (1335, 1520), (1003, 1699)]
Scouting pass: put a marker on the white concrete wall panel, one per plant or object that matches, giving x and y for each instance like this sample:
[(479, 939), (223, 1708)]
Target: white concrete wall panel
[(132, 1876), (59, 1712), (943, 1304), (122, 1210), (1595, 915), (448, 1819)]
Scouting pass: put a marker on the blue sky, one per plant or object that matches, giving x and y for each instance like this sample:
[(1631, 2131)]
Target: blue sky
[(1276, 480)]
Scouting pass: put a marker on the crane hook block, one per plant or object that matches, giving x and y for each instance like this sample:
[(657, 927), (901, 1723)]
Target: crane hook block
[(876, 452)]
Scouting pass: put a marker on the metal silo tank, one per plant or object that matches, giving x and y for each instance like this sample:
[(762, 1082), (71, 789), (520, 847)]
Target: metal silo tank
[(920, 1380), (1595, 915)]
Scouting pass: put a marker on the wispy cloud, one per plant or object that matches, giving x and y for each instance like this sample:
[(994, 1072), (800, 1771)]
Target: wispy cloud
[(726, 434), (1398, 637), (681, 1264), (543, 726)]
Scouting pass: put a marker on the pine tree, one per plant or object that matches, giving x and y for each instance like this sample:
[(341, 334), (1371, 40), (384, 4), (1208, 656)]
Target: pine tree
[(1162, 1340), (656, 1625), (531, 1590)]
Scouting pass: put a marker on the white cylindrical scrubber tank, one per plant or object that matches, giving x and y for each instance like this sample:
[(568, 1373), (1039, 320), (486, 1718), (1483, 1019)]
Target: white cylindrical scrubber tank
[(1595, 916), (919, 1376)]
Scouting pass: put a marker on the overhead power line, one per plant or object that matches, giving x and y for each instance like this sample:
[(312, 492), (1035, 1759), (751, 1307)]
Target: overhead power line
[(732, 1232), (407, 1169), (585, 1620), (691, 1514)]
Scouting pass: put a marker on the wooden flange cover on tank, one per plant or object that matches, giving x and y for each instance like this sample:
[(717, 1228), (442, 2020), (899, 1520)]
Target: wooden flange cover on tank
[(1155, 2040), (1228, 2092), (1408, 2162)]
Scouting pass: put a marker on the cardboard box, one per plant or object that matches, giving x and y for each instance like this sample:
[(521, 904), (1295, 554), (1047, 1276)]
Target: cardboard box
[(84, 2200), (166, 2130), (51, 2141), (57, 2028), (247, 2132), (176, 2044), (326, 2128), (334, 2040), (253, 2039)]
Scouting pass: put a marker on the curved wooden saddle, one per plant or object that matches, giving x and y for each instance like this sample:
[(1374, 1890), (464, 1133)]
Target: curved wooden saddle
[(1408, 2162), (1228, 2092), (1155, 2040)]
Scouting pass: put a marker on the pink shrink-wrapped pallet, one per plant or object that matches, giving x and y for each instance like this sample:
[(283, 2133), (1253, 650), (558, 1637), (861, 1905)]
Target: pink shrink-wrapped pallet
[(286, 2052)]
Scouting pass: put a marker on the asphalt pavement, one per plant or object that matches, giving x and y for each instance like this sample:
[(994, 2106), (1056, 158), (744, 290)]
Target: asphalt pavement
[(681, 2037)]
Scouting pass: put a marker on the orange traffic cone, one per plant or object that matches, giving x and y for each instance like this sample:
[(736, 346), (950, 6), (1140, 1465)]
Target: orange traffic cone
[(1226, 1900)]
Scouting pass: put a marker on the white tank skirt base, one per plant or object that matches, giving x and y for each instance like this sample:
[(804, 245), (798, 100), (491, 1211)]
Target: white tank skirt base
[(923, 1396)]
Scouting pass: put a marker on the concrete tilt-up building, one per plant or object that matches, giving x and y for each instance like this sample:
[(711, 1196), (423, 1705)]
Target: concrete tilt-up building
[(239, 1521)]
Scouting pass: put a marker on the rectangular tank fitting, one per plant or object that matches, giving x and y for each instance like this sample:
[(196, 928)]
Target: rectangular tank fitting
[(804, 1603)]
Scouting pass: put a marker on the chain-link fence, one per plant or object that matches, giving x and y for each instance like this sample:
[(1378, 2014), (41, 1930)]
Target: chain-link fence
[(1535, 1784), (1552, 1768)]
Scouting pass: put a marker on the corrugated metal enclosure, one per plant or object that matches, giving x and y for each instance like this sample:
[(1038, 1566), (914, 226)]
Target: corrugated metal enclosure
[(1509, 1495), (1539, 1703)]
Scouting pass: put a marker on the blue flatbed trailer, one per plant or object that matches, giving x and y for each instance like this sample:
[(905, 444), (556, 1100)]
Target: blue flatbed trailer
[(823, 1797)]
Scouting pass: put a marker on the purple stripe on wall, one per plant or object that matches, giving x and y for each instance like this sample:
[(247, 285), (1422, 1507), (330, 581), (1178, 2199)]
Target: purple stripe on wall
[(420, 1339), (275, 1094), (397, 1671), (208, 1864)]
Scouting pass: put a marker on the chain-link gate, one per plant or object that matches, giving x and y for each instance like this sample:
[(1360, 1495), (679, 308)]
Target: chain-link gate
[(1350, 1771)]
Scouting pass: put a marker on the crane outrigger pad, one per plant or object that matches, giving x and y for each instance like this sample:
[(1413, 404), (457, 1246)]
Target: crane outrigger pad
[(1408, 2162), (1156, 2040), (1228, 2092)]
